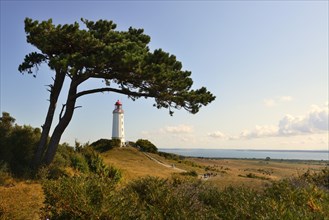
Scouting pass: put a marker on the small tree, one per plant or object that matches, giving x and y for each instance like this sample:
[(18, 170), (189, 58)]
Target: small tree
[(17, 144), (121, 59), (6, 128)]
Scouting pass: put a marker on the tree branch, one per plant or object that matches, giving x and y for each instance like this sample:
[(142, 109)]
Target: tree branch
[(121, 91), (67, 74), (61, 113)]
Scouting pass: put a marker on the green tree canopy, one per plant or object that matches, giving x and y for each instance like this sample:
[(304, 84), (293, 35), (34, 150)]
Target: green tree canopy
[(121, 59), (17, 144)]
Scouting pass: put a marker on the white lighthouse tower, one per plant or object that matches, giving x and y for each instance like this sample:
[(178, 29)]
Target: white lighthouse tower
[(118, 131)]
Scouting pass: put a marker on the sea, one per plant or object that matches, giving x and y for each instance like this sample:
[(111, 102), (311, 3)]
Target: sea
[(251, 154)]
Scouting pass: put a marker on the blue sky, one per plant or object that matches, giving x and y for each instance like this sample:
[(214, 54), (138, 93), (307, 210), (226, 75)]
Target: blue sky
[(266, 61)]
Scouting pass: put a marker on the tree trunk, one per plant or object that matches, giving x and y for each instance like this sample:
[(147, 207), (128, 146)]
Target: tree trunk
[(62, 124), (54, 94)]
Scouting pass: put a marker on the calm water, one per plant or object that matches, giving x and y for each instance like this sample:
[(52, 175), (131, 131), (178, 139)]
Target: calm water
[(259, 154)]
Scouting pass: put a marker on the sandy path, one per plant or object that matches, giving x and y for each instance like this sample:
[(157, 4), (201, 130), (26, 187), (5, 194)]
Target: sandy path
[(163, 164)]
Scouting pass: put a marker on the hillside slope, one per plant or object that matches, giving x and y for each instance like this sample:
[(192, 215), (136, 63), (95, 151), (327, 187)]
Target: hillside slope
[(222, 172), (135, 164)]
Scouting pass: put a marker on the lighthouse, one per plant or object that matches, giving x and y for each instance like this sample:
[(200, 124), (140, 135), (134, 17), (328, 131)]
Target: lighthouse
[(118, 131)]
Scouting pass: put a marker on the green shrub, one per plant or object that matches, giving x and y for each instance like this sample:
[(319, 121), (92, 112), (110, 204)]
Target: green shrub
[(301, 201), (79, 162), (78, 197), (63, 156), (51, 172), (146, 145), (171, 156), (97, 166), (103, 145), (17, 144), (190, 173), (4, 173), (155, 198), (320, 179), (56, 172), (182, 197)]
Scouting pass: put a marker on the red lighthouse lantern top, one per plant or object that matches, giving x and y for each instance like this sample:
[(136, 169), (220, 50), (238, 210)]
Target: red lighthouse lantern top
[(118, 103), (118, 107)]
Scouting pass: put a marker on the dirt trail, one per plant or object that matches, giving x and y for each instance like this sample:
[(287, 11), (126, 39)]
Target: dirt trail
[(163, 164)]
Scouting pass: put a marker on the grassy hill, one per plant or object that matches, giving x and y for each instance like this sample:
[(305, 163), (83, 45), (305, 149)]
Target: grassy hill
[(22, 199), (134, 164), (222, 172)]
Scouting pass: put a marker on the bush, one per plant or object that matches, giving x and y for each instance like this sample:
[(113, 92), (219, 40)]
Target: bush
[(321, 179), (4, 173), (300, 201), (190, 173), (51, 172), (155, 198), (63, 156), (146, 145), (171, 156), (79, 162), (78, 197), (88, 196), (103, 145), (88, 160), (17, 144), (182, 197)]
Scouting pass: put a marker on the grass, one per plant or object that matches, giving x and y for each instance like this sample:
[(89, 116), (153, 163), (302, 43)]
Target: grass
[(265, 171), (23, 199), (229, 172), (135, 164)]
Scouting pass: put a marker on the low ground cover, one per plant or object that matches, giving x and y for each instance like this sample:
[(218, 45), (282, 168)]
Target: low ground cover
[(124, 183)]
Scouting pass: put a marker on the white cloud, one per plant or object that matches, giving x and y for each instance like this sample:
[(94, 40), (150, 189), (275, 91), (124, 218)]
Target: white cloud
[(179, 129), (260, 131), (277, 101), (217, 134), (314, 122), (292, 125)]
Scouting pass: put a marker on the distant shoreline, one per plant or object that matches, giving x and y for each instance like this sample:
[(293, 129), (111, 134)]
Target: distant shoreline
[(264, 150), (287, 155), (260, 159)]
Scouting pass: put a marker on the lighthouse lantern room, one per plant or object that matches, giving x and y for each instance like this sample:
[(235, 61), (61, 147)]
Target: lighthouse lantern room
[(118, 123)]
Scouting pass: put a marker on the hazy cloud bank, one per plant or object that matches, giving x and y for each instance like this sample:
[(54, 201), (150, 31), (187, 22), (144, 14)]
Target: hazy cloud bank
[(314, 122)]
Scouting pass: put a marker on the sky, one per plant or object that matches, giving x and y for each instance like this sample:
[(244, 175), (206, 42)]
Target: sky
[(265, 61)]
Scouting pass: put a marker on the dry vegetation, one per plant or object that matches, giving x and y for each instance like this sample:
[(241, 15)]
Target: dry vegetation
[(225, 172), (22, 200), (254, 173), (135, 164)]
